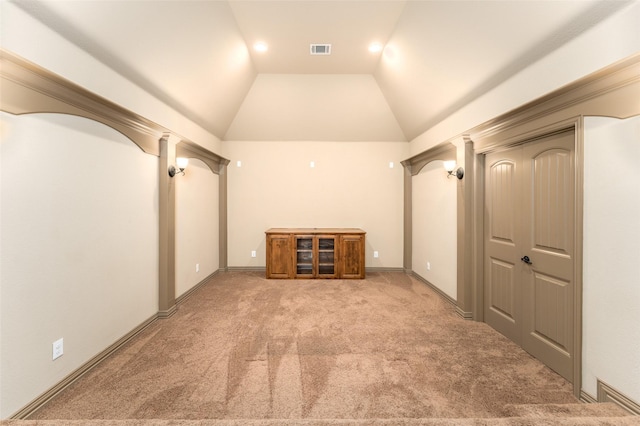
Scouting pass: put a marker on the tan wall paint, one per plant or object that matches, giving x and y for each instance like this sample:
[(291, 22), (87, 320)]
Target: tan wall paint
[(197, 230), (351, 186), (610, 41), (22, 34), (434, 200), (79, 243), (611, 300), (315, 108)]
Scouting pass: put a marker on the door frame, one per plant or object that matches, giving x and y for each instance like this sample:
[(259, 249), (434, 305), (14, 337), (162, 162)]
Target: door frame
[(612, 91), (572, 124)]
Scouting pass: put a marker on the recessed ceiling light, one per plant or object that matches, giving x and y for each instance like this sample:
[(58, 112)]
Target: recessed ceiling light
[(375, 47), (261, 46)]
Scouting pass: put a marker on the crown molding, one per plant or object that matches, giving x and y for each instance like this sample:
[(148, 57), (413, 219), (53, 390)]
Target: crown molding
[(191, 150), (612, 92), (28, 88)]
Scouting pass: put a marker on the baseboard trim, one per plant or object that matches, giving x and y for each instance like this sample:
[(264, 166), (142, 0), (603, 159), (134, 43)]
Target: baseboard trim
[(246, 269), (608, 394), (586, 398), (439, 292), (383, 269), (34, 405), (187, 294), (464, 314), (168, 313), (263, 269)]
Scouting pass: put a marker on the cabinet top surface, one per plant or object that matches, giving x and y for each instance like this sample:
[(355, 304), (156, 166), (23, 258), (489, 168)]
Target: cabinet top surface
[(315, 231)]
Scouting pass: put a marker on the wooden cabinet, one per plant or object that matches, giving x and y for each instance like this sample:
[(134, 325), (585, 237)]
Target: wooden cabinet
[(315, 256), (351, 262), (315, 253), (279, 256)]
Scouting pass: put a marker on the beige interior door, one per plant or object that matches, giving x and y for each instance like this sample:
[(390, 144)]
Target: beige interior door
[(503, 288), (529, 239)]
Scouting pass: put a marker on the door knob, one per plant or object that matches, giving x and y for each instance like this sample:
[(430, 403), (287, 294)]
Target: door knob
[(526, 260)]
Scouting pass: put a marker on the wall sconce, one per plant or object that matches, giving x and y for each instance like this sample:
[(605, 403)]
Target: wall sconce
[(181, 164), (450, 167)]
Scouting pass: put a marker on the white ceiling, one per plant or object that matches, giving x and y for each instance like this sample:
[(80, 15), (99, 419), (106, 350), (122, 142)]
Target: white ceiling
[(289, 27), (197, 56)]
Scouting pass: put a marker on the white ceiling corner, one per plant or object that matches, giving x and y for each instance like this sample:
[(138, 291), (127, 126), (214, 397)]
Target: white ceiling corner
[(196, 57)]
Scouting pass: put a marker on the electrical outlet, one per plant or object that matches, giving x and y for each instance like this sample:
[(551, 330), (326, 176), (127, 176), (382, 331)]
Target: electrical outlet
[(253, 253), (197, 267), (428, 266), (58, 348), (375, 254)]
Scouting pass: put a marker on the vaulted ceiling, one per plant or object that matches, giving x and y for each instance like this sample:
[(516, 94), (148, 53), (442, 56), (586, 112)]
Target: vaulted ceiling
[(198, 57)]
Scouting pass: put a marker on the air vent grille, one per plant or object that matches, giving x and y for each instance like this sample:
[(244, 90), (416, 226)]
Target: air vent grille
[(321, 49)]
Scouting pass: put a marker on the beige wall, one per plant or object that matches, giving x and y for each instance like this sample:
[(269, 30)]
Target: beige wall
[(434, 222), (611, 40), (22, 34), (85, 268), (79, 257), (611, 299), (350, 186), (197, 231), (285, 107)]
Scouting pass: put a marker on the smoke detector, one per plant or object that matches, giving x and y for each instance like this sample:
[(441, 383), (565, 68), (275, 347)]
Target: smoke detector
[(320, 49)]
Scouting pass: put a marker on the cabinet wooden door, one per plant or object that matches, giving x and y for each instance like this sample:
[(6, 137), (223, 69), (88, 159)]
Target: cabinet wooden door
[(351, 256), (279, 256)]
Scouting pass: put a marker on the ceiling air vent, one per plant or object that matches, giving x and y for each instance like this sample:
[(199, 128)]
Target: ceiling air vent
[(321, 49)]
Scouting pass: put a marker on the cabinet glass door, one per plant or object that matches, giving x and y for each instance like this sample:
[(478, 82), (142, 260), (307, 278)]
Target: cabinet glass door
[(304, 256), (326, 256)]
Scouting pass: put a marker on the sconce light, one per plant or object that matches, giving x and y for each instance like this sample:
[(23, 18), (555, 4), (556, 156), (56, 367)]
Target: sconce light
[(181, 164), (450, 167)]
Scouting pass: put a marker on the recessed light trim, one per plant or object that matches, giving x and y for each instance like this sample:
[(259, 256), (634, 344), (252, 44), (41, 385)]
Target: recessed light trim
[(375, 47), (260, 46)]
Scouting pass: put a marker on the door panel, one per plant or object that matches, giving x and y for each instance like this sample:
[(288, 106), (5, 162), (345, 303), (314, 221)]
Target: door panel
[(529, 203), (502, 290), (502, 287), (552, 191), (548, 284), (503, 197), (352, 255), (552, 299), (279, 256)]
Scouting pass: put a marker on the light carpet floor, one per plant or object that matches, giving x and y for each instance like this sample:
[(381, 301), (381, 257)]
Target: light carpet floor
[(379, 351)]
